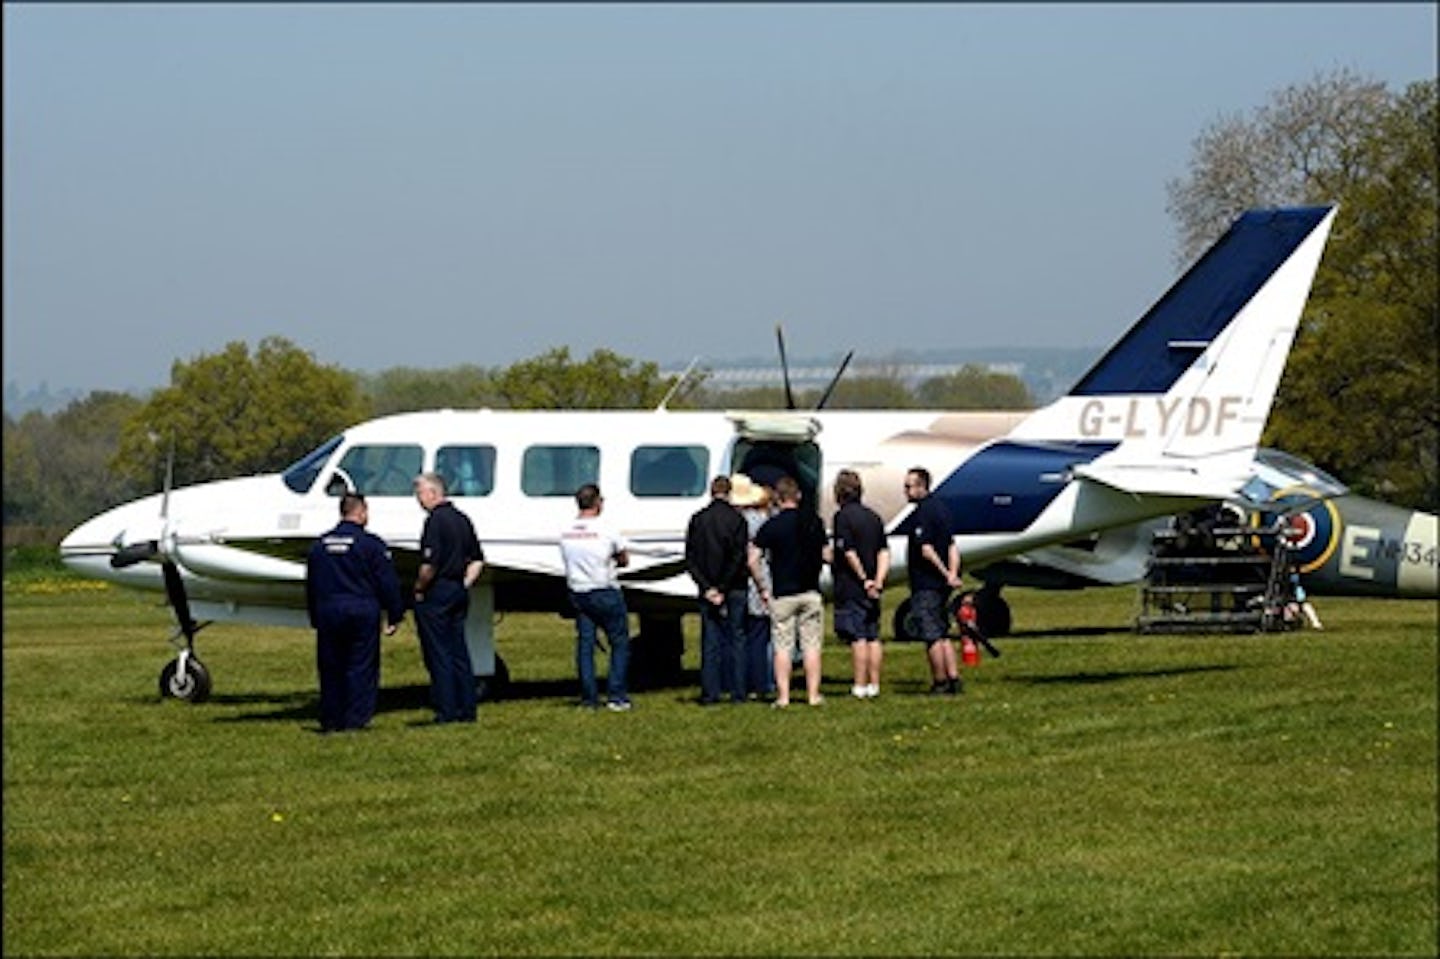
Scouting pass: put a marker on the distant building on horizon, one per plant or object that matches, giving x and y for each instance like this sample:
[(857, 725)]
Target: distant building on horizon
[(1047, 373)]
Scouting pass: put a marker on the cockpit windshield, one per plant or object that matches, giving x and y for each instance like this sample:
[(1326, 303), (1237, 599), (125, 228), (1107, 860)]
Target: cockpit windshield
[(301, 475), (1277, 470)]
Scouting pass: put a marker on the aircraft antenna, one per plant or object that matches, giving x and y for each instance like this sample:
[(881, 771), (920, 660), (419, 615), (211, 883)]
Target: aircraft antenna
[(676, 387)]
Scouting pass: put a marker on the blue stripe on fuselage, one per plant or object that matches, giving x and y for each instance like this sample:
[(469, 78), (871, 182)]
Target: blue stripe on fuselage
[(1201, 303), (1003, 487)]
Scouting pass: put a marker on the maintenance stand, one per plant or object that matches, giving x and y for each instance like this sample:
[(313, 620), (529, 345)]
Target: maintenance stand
[(1203, 576)]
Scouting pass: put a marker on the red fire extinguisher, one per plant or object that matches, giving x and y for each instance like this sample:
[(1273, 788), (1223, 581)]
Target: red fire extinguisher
[(969, 652)]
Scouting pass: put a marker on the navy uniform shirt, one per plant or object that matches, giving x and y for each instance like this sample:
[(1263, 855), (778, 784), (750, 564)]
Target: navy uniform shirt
[(448, 542), (931, 525), (348, 568)]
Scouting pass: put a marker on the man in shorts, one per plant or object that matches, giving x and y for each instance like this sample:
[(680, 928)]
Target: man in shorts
[(861, 561), (794, 540), (934, 569)]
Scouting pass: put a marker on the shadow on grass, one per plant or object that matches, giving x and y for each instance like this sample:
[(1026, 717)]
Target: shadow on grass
[(1083, 679), (1068, 633), (304, 705)]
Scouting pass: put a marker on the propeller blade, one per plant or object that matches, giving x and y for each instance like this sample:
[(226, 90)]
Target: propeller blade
[(169, 479), (834, 381), (134, 553), (784, 367), (175, 592)]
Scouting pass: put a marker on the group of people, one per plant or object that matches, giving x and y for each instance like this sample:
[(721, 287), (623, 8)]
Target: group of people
[(755, 553), (756, 557), (350, 583)]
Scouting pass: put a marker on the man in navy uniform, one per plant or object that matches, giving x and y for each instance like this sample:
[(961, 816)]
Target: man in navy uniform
[(450, 562), (349, 581)]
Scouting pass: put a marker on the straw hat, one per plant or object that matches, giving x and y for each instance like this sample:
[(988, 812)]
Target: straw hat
[(745, 492)]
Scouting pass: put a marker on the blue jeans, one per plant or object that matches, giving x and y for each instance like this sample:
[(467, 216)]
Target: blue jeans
[(759, 655), (604, 608), (722, 647), (440, 620)]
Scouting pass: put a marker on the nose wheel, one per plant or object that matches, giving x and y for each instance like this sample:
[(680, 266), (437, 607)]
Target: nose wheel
[(185, 677)]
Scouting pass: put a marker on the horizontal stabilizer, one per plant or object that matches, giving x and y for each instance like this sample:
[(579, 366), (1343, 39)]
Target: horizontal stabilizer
[(1176, 481)]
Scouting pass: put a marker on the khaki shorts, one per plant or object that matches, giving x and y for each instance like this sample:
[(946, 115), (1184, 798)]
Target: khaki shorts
[(800, 617)]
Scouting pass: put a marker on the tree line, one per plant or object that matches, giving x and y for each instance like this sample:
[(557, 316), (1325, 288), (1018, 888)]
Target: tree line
[(1358, 397)]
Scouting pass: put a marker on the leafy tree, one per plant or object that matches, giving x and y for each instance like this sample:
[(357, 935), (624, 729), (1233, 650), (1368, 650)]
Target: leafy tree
[(1359, 393), (974, 387), (403, 388), (57, 467), (741, 398), (232, 413), (1301, 147), (874, 392), (24, 492), (604, 380)]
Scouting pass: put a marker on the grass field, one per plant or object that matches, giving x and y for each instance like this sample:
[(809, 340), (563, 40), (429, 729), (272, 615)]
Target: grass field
[(1093, 792)]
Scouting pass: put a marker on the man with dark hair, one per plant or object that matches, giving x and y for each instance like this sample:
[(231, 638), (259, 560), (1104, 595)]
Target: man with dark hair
[(934, 569), (592, 553), (349, 581), (450, 562), (794, 540), (861, 561), (716, 545)]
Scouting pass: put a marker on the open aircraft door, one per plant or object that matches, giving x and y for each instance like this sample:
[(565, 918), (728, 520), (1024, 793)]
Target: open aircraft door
[(770, 445)]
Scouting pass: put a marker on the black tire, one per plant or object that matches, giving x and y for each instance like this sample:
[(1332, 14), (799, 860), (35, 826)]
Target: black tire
[(901, 623), (992, 614), (489, 689), (192, 687)]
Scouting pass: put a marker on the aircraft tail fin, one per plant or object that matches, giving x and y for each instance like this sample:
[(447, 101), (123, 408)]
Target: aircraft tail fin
[(1184, 395)]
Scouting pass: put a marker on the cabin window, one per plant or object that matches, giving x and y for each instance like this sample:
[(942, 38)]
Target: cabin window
[(377, 470), (669, 470), (467, 470), (559, 470)]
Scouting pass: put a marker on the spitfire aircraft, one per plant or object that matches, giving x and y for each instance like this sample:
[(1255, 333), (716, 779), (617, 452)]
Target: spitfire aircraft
[(1169, 419)]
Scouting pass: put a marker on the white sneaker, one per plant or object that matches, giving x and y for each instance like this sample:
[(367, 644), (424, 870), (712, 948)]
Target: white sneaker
[(872, 690), (859, 692)]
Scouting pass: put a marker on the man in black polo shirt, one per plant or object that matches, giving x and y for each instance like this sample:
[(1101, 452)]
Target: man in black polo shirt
[(933, 562), (861, 562), (450, 562)]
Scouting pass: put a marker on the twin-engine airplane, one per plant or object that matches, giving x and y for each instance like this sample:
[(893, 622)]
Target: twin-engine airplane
[(1168, 420)]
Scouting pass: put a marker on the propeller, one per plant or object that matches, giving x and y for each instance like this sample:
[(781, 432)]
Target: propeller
[(834, 381), (179, 601), (151, 550), (784, 367), (134, 553), (785, 372)]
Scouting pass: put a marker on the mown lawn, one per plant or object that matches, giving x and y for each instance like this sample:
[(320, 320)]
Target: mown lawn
[(1093, 792)]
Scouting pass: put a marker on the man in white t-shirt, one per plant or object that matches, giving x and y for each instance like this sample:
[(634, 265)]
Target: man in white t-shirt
[(593, 552)]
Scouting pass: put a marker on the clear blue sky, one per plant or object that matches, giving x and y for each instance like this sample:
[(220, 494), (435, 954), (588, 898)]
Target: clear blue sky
[(432, 185)]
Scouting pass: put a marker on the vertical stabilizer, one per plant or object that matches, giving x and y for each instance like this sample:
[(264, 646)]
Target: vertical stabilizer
[(1190, 386)]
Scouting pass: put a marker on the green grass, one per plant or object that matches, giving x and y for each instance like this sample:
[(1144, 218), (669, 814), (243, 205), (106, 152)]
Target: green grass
[(1093, 792)]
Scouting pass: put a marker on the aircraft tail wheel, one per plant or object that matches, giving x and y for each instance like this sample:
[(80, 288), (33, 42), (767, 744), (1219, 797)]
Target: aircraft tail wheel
[(185, 678)]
